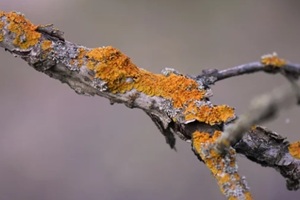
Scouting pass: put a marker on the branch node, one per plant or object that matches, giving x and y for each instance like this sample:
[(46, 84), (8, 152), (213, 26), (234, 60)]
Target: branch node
[(52, 32)]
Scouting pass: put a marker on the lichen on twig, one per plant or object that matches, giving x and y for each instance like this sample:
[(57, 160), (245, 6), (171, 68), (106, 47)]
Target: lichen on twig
[(178, 104)]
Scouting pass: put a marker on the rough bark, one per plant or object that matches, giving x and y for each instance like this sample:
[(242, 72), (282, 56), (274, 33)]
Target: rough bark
[(178, 104)]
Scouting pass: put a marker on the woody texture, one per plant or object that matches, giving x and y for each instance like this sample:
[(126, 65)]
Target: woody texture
[(178, 104)]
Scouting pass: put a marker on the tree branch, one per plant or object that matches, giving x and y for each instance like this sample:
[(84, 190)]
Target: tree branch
[(269, 149), (178, 104), (269, 63), (263, 108)]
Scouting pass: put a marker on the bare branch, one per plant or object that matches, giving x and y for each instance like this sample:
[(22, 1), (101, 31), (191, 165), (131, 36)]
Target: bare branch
[(278, 65)]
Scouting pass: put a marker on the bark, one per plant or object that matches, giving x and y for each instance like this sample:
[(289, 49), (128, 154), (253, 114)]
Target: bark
[(178, 104)]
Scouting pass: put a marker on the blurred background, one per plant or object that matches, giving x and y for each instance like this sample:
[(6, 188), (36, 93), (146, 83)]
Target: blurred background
[(57, 145)]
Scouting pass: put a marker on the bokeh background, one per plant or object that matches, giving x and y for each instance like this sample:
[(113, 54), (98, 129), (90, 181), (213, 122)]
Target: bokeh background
[(57, 145)]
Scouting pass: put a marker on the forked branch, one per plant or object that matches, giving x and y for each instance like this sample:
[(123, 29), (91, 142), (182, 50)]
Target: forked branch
[(178, 104)]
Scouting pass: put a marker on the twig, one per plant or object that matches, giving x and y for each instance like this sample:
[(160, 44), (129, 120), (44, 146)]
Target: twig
[(209, 77), (262, 108), (269, 149)]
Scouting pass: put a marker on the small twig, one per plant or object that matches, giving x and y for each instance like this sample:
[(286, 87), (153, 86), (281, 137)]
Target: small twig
[(262, 109), (240, 70), (294, 85), (271, 64)]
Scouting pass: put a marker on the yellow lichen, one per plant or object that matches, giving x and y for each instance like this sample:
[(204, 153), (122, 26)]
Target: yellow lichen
[(122, 75), (1, 34), (223, 170), (46, 45), (272, 60), (294, 149), (24, 30), (81, 53), (209, 114), (78, 61)]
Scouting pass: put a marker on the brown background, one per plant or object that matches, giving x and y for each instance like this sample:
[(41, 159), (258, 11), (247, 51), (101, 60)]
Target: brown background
[(57, 145)]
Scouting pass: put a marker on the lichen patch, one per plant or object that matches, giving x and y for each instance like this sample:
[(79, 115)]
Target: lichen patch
[(272, 60), (294, 149), (46, 45), (1, 34), (210, 114), (110, 65), (223, 167), (24, 30)]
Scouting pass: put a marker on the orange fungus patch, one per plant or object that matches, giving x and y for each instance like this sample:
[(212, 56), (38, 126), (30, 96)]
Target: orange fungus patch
[(294, 149)]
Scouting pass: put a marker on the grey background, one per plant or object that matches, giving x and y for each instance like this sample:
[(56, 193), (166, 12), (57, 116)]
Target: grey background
[(57, 145)]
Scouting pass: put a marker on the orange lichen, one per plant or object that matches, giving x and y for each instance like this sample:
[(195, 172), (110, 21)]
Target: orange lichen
[(78, 61), (122, 75), (46, 45), (272, 60), (2, 13), (24, 30), (81, 53), (224, 170), (1, 34), (209, 114), (294, 149)]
